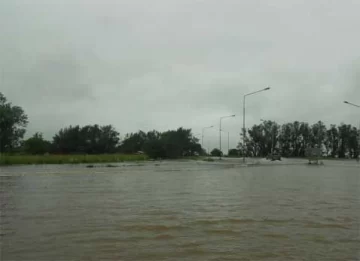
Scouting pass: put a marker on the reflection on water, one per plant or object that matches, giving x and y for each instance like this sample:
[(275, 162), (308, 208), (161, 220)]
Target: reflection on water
[(180, 211)]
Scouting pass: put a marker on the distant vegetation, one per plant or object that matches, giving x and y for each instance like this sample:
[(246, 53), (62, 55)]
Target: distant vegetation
[(216, 153), (95, 143), (87, 144), (68, 159), (292, 139)]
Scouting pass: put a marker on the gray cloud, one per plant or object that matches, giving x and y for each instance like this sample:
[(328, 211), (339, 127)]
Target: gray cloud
[(166, 63)]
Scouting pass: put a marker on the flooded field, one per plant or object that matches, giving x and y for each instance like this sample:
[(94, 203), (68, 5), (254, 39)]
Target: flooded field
[(180, 211)]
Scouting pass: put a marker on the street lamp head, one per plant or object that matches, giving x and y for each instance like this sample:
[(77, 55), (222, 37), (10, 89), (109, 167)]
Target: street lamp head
[(233, 115), (208, 127), (346, 102), (268, 88)]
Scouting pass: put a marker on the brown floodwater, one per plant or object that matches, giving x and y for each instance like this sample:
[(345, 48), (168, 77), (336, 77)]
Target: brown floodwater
[(180, 211)]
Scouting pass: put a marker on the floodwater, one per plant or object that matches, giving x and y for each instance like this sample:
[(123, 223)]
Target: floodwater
[(180, 211)]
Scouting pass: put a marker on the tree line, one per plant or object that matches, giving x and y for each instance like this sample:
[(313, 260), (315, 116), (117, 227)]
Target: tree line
[(290, 139), (91, 139)]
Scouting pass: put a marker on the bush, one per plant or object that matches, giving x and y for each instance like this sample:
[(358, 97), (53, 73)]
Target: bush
[(216, 152)]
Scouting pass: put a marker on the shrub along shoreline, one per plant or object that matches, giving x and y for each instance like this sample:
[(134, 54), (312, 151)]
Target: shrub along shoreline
[(7, 160)]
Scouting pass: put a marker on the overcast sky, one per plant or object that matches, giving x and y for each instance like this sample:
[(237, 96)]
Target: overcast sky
[(162, 64)]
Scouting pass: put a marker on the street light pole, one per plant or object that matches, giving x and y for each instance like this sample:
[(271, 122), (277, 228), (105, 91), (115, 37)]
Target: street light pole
[(228, 144), (244, 131), (353, 104), (221, 118), (220, 138), (228, 141), (202, 134)]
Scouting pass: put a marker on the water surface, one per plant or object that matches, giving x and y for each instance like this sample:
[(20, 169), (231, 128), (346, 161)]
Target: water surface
[(180, 211)]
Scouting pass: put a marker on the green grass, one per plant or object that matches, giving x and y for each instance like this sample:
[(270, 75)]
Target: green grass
[(67, 159)]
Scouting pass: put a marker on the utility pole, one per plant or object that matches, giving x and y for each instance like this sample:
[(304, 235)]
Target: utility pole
[(228, 143), (244, 107), (221, 118), (202, 136)]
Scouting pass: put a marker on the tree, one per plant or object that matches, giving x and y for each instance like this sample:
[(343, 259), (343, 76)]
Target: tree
[(154, 148), (305, 137), (344, 134), (36, 144), (258, 140), (234, 152), (133, 142), (13, 122), (216, 152), (285, 139), (169, 144), (90, 139), (332, 140), (294, 138), (270, 131)]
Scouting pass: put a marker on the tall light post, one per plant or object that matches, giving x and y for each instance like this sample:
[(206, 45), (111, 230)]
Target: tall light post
[(353, 104), (244, 131), (358, 106), (202, 134), (221, 118), (228, 141)]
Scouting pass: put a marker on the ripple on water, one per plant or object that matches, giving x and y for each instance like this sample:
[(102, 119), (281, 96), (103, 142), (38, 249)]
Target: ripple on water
[(276, 236), (320, 239), (190, 244), (197, 251), (225, 232), (242, 221), (207, 222), (164, 237), (311, 224), (157, 212), (153, 228)]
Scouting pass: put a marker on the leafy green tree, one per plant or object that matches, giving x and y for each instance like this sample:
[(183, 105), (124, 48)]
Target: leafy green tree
[(179, 143), (90, 139), (154, 148), (305, 137), (292, 139), (295, 139), (257, 140), (285, 139), (133, 142), (36, 144), (332, 140), (13, 122), (216, 152), (344, 134), (234, 152), (271, 132), (169, 144), (318, 134)]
